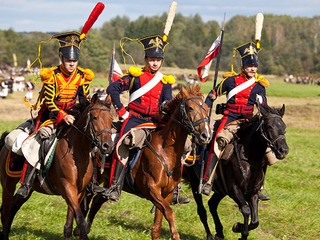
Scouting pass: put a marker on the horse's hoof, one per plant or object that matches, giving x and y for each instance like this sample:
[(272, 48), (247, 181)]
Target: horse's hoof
[(217, 237), (76, 232), (237, 228)]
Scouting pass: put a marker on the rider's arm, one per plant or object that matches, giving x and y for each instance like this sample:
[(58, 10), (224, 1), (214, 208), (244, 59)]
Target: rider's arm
[(115, 89)]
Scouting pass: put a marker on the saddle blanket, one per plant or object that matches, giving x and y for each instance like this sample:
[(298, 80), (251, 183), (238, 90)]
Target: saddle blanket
[(122, 150), (14, 164)]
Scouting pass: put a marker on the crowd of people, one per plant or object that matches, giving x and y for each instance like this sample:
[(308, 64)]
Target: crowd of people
[(11, 82)]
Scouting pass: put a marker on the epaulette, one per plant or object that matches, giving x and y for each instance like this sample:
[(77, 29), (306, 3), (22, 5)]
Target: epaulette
[(88, 74), (262, 80), (135, 71), (168, 79), (46, 75), (229, 74)]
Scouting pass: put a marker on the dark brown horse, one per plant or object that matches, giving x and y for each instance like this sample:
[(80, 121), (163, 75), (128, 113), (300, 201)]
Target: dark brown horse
[(241, 175), (71, 168), (158, 168)]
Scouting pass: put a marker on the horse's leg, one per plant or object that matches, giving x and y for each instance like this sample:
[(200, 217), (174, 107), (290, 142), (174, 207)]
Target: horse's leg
[(202, 212), (157, 223), (67, 230), (73, 200), (245, 210), (7, 215), (8, 189), (254, 223), (163, 206), (85, 209), (213, 206), (96, 204)]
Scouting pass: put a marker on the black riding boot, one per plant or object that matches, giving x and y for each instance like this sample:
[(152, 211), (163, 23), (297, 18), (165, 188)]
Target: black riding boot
[(93, 186), (29, 177), (177, 198), (207, 186), (114, 192)]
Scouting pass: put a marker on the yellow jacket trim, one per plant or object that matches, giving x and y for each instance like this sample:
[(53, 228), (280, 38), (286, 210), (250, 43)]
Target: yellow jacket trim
[(262, 80), (88, 75), (46, 75), (168, 79), (135, 71)]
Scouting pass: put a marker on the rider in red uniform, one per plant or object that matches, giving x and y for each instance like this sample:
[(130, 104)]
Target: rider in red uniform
[(148, 89), (241, 90)]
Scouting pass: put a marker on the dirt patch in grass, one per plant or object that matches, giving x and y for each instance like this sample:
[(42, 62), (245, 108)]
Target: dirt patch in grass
[(301, 113)]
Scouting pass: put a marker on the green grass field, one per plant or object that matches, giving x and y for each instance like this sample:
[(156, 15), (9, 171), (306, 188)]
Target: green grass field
[(293, 185)]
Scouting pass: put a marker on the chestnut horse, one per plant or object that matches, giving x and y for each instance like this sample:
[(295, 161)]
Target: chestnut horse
[(158, 168), (71, 168), (242, 174)]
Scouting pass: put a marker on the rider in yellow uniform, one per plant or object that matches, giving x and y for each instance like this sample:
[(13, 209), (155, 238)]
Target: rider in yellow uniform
[(62, 85)]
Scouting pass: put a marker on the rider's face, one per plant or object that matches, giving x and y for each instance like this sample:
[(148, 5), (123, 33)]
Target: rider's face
[(250, 70), (70, 65), (154, 63)]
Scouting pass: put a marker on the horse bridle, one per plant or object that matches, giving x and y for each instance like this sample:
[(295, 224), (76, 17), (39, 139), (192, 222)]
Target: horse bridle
[(270, 142), (185, 121), (93, 133)]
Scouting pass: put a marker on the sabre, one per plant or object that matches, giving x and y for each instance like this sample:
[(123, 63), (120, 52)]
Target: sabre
[(170, 18)]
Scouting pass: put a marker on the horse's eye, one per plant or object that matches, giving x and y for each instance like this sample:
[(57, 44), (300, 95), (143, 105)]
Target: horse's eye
[(190, 108)]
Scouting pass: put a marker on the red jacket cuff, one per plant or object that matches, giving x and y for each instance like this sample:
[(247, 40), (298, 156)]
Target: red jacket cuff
[(60, 116)]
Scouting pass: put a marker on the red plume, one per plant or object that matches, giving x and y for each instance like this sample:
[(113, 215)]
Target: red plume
[(92, 17)]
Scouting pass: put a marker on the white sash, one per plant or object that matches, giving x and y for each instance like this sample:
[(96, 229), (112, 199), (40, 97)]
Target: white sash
[(240, 88), (147, 87)]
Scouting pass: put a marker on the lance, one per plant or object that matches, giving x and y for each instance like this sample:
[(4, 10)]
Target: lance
[(203, 148), (112, 63), (218, 62)]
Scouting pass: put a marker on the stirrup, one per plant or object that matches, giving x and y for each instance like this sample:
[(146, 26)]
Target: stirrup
[(112, 193), (23, 191), (206, 189), (95, 189), (178, 199)]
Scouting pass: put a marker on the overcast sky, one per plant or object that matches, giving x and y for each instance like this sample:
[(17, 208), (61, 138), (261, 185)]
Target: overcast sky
[(66, 15)]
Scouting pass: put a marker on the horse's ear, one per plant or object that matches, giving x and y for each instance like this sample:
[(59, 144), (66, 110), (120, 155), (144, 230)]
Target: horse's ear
[(94, 98), (282, 110), (108, 100), (183, 92)]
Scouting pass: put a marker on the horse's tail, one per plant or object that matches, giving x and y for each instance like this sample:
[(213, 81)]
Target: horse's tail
[(3, 136)]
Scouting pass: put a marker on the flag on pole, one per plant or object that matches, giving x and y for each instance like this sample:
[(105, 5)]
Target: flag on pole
[(117, 72), (206, 62)]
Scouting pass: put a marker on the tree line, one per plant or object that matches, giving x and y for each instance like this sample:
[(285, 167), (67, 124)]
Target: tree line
[(290, 45)]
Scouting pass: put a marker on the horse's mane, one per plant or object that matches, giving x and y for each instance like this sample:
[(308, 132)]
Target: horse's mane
[(169, 108), (257, 117)]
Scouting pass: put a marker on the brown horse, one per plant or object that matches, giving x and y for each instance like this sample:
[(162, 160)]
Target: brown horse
[(71, 168), (158, 169), (242, 174)]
